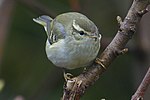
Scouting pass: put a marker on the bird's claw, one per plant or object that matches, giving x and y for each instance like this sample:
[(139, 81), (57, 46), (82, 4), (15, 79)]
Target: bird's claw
[(67, 76)]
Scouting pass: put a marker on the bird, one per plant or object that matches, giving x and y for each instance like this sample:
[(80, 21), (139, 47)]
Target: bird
[(73, 40)]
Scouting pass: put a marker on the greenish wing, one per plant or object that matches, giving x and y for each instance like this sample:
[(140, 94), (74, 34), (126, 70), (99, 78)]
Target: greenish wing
[(57, 32)]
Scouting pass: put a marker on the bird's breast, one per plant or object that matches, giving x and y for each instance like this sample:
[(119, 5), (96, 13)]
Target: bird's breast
[(72, 54)]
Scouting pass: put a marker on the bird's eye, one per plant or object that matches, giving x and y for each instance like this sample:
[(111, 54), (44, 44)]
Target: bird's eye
[(81, 33)]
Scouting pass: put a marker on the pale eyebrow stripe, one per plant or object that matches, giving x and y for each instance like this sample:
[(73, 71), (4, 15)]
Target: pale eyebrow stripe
[(78, 28)]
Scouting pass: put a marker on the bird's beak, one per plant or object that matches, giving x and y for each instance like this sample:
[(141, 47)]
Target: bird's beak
[(95, 37)]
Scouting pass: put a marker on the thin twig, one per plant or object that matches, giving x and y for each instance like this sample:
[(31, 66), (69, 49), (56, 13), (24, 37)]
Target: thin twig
[(125, 32), (139, 94)]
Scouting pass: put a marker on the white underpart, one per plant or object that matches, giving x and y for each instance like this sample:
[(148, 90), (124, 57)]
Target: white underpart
[(69, 53)]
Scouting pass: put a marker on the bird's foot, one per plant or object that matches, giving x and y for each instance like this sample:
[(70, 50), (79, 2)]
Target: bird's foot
[(99, 61), (67, 76)]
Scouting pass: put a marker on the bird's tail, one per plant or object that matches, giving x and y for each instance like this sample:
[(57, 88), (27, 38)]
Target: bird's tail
[(45, 21)]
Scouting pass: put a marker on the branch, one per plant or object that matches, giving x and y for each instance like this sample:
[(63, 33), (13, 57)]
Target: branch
[(76, 87), (142, 88)]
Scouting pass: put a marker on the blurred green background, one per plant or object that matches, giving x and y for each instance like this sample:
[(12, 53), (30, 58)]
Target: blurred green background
[(27, 74)]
